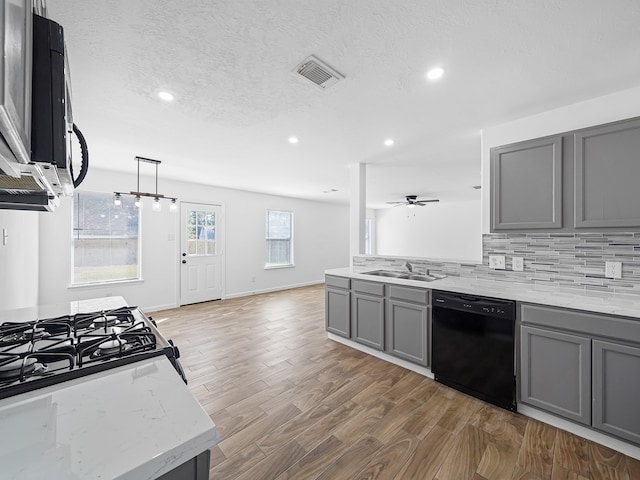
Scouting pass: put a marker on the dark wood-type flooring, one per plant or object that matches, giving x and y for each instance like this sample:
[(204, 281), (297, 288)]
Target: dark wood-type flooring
[(291, 404)]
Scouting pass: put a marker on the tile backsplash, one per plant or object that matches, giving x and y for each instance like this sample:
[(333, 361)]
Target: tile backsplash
[(570, 260)]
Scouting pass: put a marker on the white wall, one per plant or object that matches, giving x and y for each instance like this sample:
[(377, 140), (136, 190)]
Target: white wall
[(438, 231), (321, 236), (608, 108), (19, 259)]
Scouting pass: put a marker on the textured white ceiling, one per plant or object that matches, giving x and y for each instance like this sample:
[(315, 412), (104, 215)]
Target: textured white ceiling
[(229, 65)]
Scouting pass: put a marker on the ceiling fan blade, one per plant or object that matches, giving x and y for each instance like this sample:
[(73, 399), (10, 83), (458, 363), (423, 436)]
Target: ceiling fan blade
[(424, 202), (399, 203)]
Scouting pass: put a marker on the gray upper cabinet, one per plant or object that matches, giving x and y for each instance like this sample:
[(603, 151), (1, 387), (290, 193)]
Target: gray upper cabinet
[(607, 169), (338, 306), (16, 22), (556, 372), (616, 389), (406, 324), (526, 185)]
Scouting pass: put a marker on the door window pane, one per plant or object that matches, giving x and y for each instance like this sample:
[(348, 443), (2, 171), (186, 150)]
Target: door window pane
[(106, 239), (201, 232)]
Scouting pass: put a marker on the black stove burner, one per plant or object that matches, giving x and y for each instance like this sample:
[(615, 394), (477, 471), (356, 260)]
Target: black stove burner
[(49, 351), (105, 321), (17, 368)]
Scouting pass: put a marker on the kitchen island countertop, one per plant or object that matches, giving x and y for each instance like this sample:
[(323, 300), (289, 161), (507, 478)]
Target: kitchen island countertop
[(135, 422), (625, 305)]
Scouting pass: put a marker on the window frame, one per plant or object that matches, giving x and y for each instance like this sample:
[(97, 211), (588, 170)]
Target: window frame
[(270, 266), (75, 232)]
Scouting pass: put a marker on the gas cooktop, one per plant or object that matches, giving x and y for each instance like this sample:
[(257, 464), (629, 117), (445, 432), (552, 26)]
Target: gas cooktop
[(47, 351)]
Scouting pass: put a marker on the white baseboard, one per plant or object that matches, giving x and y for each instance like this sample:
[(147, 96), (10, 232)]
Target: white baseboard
[(593, 435), (611, 442), (157, 308), (273, 289), (381, 355)]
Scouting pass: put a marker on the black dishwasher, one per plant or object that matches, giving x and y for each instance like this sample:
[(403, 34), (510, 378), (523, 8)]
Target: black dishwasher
[(473, 346)]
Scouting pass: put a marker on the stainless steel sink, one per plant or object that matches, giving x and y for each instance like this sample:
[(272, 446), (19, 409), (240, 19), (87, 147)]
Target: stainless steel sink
[(385, 273), (405, 276)]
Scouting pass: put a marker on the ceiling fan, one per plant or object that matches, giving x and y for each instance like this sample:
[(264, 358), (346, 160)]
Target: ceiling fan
[(411, 201)]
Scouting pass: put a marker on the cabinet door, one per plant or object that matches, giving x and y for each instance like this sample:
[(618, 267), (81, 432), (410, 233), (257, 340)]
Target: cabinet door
[(367, 316), (607, 168), (616, 389), (406, 331), (16, 22), (556, 372), (337, 311), (526, 185)]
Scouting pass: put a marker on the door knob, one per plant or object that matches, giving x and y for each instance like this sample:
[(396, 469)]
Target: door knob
[(184, 254), (184, 261)]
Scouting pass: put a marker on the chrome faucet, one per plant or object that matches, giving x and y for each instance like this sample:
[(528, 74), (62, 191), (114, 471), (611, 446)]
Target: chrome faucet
[(413, 269)]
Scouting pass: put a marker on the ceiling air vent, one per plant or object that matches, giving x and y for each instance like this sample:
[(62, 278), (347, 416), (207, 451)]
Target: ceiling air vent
[(318, 72)]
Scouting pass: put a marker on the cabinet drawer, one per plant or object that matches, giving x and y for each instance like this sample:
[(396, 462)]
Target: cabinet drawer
[(339, 282), (372, 288), (583, 322), (417, 295)]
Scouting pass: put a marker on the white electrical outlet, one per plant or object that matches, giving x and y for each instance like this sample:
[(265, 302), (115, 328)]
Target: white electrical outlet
[(613, 269), (518, 264), (497, 262)]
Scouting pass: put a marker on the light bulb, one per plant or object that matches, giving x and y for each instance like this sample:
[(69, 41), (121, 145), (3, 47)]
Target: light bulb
[(173, 206), (156, 205), (435, 73), (117, 200), (137, 201)]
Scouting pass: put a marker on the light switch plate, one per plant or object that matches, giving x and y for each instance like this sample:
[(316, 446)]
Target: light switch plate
[(518, 264), (497, 262), (613, 269)]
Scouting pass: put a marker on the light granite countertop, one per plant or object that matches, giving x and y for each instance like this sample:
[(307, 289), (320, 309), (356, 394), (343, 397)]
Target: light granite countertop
[(134, 422), (554, 296)]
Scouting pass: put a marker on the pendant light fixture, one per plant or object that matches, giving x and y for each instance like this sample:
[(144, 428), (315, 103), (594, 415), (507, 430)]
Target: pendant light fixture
[(157, 206)]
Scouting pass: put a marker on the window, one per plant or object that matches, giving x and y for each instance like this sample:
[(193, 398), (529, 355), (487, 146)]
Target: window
[(367, 236), (279, 239), (106, 239)]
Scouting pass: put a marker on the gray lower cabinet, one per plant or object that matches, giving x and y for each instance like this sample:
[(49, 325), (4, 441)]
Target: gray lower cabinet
[(338, 306), (526, 185), (616, 389), (556, 372), (406, 324), (367, 317), (367, 313), (195, 469), (607, 168)]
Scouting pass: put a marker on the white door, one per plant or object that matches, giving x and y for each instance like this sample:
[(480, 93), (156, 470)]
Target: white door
[(201, 254)]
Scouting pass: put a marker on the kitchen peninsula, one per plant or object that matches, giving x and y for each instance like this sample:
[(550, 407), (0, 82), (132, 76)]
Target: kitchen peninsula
[(132, 420)]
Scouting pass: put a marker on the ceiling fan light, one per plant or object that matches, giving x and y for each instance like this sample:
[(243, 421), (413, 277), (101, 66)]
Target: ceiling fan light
[(411, 205)]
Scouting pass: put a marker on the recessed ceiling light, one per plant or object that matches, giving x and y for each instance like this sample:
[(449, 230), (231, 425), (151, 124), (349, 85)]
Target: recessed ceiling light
[(388, 142), (166, 96), (435, 73), (293, 139)]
